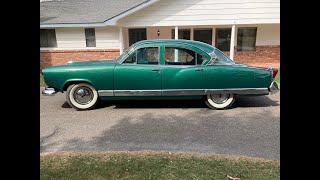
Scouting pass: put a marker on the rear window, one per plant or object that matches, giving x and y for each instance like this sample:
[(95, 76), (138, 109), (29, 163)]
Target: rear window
[(221, 59)]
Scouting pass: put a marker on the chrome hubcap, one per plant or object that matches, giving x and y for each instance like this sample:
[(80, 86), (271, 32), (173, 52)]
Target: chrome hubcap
[(83, 95), (220, 98)]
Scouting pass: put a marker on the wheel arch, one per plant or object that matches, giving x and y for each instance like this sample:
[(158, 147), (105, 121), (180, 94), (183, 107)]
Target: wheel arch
[(74, 81)]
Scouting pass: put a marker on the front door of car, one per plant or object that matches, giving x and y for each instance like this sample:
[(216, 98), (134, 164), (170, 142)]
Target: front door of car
[(139, 74), (182, 72)]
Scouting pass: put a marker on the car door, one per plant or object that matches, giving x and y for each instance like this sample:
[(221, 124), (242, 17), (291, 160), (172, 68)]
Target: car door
[(139, 74), (182, 72)]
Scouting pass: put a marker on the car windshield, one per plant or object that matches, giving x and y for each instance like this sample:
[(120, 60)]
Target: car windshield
[(122, 55), (221, 59)]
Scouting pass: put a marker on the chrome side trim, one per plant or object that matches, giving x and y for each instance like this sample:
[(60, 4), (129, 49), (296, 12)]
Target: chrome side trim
[(137, 92), (238, 91), (183, 92), (49, 91), (176, 92), (105, 93), (274, 88)]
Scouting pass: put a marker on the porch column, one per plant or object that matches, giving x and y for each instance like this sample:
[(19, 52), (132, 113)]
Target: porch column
[(232, 41), (213, 36), (191, 34), (176, 31), (121, 40)]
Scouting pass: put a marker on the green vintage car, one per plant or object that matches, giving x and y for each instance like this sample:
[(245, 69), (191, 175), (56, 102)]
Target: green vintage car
[(160, 69)]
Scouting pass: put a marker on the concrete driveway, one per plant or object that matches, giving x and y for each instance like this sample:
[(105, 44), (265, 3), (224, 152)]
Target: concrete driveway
[(250, 128)]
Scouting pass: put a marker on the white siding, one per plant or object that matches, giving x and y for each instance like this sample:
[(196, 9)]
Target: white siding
[(70, 38), (205, 12), (268, 35), (74, 38), (107, 37)]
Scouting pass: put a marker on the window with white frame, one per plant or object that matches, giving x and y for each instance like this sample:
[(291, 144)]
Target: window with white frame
[(246, 40), (48, 38), (90, 37)]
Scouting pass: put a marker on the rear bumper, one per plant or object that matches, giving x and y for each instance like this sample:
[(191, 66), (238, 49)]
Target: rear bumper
[(49, 91), (274, 88)]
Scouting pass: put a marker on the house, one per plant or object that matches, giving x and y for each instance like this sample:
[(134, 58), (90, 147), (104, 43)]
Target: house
[(246, 30)]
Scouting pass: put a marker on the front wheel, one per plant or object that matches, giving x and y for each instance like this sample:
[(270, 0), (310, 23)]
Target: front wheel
[(82, 96), (219, 101)]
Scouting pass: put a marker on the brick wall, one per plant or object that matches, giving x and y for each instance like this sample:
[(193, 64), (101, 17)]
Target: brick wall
[(263, 56), (59, 57)]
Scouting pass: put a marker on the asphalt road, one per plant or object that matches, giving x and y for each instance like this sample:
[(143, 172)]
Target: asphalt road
[(250, 128)]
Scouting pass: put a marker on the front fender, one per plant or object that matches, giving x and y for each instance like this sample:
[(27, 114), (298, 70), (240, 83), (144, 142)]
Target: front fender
[(71, 81)]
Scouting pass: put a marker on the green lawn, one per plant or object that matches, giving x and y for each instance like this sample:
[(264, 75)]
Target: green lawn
[(278, 77), (42, 84), (150, 165)]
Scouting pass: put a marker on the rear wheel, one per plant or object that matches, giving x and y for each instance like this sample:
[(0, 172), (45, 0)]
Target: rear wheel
[(82, 96), (219, 101)]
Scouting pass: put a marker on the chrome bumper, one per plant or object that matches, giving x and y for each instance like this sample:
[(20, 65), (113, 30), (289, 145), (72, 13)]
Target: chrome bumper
[(49, 91), (274, 88)]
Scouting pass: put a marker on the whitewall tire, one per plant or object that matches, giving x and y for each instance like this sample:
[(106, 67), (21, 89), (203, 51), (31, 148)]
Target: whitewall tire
[(82, 96), (220, 101)]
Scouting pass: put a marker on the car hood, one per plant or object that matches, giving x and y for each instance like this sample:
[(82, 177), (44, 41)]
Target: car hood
[(85, 64)]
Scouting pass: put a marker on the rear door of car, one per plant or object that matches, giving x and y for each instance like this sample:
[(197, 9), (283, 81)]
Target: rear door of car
[(182, 71)]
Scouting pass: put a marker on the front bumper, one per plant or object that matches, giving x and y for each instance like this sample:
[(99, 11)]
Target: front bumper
[(49, 91), (274, 88)]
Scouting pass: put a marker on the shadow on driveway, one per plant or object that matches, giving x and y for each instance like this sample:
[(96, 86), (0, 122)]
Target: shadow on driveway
[(259, 101), (200, 131)]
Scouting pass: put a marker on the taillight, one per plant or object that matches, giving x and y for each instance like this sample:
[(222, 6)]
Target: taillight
[(275, 71)]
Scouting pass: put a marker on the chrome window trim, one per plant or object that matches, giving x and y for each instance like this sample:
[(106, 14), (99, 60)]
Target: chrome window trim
[(196, 54), (134, 50), (214, 57)]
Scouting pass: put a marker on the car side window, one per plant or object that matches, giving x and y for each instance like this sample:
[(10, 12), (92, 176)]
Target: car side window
[(182, 56), (221, 59), (147, 56)]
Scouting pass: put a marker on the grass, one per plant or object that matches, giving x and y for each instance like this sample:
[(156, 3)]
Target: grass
[(277, 78), (42, 84), (151, 165)]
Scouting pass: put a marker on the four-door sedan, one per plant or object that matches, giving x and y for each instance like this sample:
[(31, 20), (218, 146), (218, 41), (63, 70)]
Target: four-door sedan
[(160, 69)]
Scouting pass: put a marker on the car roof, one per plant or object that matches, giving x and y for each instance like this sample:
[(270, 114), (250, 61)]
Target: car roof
[(203, 46)]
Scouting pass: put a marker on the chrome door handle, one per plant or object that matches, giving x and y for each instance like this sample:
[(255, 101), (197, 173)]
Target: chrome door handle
[(199, 69), (156, 70)]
